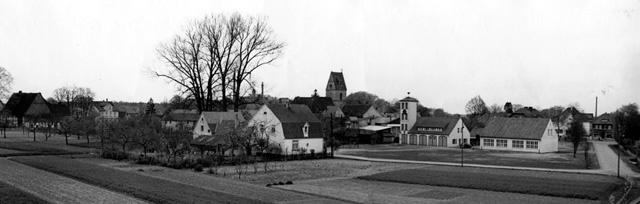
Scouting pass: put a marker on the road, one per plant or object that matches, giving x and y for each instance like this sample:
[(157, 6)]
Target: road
[(55, 188), (608, 160)]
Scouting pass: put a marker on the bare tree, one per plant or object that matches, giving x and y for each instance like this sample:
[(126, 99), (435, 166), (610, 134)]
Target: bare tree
[(78, 99), (6, 80), (495, 108), (476, 106), (254, 47)]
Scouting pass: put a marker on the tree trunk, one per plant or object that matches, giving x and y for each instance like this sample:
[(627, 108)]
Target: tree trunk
[(66, 139)]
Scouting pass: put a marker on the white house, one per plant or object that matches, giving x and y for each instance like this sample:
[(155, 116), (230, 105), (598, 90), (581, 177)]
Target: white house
[(105, 110), (292, 126), (209, 122), (181, 119), (519, 134), (437, 131)]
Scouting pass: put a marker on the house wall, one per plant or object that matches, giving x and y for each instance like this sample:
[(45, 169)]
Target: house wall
[(186, 125), (265, 116), (459, 133), (201, 128), (315, 144)]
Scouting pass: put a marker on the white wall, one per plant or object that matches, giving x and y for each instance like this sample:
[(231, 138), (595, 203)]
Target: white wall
[(265, 116), (549, 143), (197, 131)]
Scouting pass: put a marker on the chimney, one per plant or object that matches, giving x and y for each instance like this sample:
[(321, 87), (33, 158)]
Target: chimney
[(20, 91)]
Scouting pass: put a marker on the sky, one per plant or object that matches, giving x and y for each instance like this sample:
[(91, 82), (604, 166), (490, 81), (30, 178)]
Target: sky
[(537, 53)]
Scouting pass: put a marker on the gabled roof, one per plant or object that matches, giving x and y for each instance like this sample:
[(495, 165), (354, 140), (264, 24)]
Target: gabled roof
[(528, 112), (316, 104), (293, 119), (19, 103), (215, 117), (570, 111), (338, 81), (584, 117), (604, 119), (516, 128), (355, 110), (446, 123), (58, 110), (179, 115), (101, 104)]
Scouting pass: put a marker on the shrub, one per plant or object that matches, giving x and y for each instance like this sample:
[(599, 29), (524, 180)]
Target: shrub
[(115, 155), (198, 168), (280, 183), (289, 182)]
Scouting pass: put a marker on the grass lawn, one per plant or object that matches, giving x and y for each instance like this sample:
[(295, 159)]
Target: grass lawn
[(563, 159), (10, 194), (582, 186), (147, 188), (31, 148)]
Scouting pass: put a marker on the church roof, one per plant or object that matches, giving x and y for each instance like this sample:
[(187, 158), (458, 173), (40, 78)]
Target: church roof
[(338, 81)]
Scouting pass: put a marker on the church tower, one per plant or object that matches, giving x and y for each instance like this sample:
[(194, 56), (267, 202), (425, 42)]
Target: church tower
[(336, 88)]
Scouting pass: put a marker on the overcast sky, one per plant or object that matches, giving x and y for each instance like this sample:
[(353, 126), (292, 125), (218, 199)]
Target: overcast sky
[(536, 53)]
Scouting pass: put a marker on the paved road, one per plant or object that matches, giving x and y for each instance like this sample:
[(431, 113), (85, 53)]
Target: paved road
[(608, 160), (55, 188)]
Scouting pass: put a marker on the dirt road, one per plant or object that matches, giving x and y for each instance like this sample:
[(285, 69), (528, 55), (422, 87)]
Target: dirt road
[(57, 189)]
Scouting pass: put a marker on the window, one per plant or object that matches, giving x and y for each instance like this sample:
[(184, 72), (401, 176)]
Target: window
[(340, 96), (202, 128), (458, 130), (501, 143), (294, 146), (305, 130), (532, 144), (273, 129), (517, 144), (454, 141), (487, 142), (549, 132)]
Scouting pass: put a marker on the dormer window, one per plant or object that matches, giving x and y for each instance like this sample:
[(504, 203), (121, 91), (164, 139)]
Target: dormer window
[(305, 130)]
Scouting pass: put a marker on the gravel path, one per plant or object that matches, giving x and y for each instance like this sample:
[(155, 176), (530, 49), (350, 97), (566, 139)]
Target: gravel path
[(56, 189)]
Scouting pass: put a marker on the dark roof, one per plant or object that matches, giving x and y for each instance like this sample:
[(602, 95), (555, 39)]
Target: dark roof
[(409, 99), (293, 119), (516, 128), (604, 119), (59, 109), (316, 104), (527, 112), (181, 115), (215, 117), (570, 111), (355, 110), (207, 140), (446, 123), (476, 131), (338, 81), (101, 104), (19, 103), (584, 117)]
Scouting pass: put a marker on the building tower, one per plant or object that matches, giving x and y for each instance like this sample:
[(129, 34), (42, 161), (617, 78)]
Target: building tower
[(408, 117), (336, 88)]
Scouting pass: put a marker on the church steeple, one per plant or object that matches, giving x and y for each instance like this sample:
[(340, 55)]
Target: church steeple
[(336, 88)]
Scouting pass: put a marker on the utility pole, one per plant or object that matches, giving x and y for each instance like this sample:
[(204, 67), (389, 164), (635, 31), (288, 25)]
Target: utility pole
[(462, 146), (331, 134)]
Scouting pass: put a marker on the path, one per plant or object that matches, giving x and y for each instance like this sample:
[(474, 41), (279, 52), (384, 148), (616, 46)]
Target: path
[(55, 188)]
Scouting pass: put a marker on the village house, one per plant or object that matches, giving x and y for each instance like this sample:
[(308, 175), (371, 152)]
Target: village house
[(361, 115), (31, 110), (105, 110), (603, 126), (181, 119), (568, 116), (322, 106), (519, 134), (212, 130), (293, 127)]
